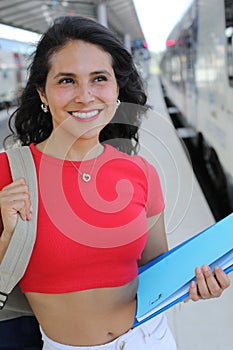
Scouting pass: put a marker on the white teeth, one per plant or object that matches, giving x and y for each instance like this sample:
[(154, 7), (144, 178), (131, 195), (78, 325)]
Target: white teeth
[(84, 115)]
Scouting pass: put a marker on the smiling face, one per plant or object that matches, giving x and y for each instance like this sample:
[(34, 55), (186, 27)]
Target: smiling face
[(81, 89)]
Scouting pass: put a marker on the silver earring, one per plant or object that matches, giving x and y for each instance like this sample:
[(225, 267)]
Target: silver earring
[(118, 103), (44, 108)]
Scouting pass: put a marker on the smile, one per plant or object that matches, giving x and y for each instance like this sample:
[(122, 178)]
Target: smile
[(85, 115)]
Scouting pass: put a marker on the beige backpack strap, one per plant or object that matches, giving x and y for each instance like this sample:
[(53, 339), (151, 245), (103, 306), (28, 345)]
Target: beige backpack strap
[(19, 251)]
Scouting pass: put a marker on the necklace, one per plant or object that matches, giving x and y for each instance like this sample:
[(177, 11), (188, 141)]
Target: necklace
[(86, 177)]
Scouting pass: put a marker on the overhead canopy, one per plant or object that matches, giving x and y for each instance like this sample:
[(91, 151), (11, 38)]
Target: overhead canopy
[(37, 15)]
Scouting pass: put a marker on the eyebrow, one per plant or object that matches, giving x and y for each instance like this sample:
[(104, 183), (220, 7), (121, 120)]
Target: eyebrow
[(62, 74)]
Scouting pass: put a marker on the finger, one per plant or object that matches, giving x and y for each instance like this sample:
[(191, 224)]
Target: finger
[(222, 277), (16, 203), (28, 205), (15, 188), (16, 183), (213, 286), (10, 215), (16, 207), (201, 284), (23, 207), (18, 190), (193, 292)]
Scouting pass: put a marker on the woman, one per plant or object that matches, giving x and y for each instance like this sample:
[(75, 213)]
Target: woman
[(100, 207)]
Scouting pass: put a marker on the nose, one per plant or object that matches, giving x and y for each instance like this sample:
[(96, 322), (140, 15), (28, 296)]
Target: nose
[(83, 93)]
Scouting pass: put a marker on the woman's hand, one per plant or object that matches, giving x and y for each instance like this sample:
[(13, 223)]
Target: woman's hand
[(208, 285), (14, 200)]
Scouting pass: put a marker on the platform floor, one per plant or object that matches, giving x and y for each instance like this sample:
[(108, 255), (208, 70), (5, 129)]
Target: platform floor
[(204, 324)]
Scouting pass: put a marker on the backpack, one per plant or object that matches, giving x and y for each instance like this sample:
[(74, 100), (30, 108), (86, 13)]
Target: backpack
[(12, 301)]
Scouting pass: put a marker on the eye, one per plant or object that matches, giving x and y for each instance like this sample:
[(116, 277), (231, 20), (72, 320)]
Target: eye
[(100, 78), (66, 81)]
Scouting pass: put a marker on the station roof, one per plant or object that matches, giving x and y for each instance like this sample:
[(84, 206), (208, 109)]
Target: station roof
[(37, 15)]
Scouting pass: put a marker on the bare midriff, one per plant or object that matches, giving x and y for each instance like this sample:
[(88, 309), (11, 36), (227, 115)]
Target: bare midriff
[(86, 318)]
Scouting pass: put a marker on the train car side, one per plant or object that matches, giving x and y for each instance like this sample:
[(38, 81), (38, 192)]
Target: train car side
[(197, 74)]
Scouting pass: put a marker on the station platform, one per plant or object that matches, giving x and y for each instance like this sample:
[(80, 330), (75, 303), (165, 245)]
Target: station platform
[(206, 324)]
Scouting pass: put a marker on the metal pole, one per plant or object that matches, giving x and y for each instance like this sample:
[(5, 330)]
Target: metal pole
[(102, 14), (127, 41)]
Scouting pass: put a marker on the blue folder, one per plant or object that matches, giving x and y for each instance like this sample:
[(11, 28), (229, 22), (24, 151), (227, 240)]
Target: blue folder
[(165, 281)]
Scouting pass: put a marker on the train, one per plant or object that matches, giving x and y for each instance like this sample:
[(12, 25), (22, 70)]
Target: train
[(196, 73), (14, 60)]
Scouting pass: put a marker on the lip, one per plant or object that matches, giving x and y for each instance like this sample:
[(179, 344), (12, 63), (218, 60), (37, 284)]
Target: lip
[(85, 115)]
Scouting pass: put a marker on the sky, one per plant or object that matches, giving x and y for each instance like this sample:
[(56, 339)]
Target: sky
[(17, 34), (157, 18)]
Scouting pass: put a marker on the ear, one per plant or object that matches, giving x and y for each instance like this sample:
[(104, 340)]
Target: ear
[(42, 96)]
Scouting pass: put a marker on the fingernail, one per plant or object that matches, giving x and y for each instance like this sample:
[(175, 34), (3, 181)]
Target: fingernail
[(206, 268), (29, 217), (192, 285)]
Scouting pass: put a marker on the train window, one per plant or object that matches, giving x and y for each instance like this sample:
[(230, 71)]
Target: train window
[(176, 70), (229, 38)]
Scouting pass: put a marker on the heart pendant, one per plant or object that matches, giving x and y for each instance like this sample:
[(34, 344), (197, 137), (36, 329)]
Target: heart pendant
[(86, 177)]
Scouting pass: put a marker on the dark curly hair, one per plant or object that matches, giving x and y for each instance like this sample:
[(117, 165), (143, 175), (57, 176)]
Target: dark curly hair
[(29, 124)]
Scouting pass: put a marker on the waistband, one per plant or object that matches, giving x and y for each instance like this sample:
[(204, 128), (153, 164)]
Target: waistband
[(147, 328)]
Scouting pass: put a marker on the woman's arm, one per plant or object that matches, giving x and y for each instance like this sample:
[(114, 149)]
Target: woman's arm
[(157, 240)]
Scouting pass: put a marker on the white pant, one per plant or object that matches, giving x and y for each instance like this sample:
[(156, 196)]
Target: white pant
[(152, 335)]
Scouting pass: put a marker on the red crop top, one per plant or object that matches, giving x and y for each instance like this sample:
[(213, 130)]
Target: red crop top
[(89, 234)]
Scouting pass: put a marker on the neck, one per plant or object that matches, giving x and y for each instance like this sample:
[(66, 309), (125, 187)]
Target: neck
[(76, 150), (80, 152)]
